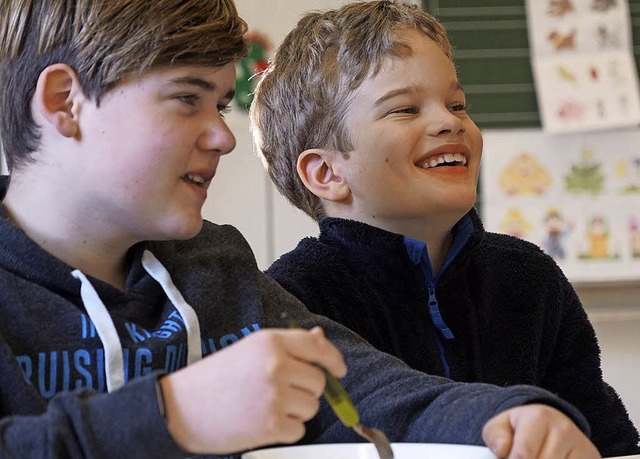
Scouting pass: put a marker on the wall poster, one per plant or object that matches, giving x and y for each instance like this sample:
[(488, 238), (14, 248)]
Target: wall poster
[(583, 64), (576, 196)]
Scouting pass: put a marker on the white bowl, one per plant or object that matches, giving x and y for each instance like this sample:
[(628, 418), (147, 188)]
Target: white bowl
[(367, 451)]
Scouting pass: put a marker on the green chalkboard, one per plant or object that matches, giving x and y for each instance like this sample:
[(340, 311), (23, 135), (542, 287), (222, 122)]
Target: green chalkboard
[(491, 51)]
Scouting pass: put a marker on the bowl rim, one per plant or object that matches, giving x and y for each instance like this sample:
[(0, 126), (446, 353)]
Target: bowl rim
[(255, 453)]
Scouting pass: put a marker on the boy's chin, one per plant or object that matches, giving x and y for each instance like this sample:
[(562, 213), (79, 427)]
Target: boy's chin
[(185, 230)]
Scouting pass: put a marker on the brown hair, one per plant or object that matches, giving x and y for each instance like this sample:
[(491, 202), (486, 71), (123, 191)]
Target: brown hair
[(302, 97), (103, 41)]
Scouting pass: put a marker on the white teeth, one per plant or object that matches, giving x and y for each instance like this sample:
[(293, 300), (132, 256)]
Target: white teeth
[(196, 178), (446, 158), (460, 158)]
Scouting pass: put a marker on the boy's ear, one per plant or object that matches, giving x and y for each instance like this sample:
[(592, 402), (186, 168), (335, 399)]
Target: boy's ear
[(57, 98), (317, 172)]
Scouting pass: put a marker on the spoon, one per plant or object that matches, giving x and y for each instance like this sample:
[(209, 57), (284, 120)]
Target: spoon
[(346, 411)]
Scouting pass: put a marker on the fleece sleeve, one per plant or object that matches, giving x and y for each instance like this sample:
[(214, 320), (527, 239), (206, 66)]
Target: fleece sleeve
[(411, 406), (575, 374), (408, 405), (84, 424)]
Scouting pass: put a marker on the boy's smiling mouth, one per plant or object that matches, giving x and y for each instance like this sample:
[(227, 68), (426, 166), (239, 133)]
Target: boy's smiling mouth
[(450, 154), (445, 159), (198, 179), (195, 178)]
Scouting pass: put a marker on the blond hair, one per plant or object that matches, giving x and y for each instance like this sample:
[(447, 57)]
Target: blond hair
[(103, 41), (301, 99)]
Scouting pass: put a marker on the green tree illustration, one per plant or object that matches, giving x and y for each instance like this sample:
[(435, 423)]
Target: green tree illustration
[(585, 176)]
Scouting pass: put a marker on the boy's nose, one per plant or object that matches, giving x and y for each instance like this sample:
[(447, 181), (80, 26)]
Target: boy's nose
[(445, 122), (217, 137)]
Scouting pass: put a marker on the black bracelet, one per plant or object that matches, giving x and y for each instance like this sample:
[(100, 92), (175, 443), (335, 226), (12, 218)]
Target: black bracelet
[(160, 397)]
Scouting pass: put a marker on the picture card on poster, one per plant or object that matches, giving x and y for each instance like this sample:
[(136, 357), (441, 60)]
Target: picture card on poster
[(587, 92), (576, 196), (583, 64)]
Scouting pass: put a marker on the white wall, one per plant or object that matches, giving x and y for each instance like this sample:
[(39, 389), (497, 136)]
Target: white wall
[(617, 333), (614, 311), (3, 164)]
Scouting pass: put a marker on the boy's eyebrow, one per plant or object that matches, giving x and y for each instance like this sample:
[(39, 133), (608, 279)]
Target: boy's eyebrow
[(454, 86), (200, 83), (396, 92)]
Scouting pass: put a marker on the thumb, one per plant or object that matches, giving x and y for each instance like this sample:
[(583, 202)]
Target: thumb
[(498, 434), (317, 330)]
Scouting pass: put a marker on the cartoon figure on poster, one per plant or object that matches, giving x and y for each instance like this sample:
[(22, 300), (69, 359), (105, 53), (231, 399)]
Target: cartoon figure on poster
[(515, 224), (562, 40), (603, 5), (525, 175), (598, 237), (557, 230), (559, 8), (628, 173), (634, 236), (608, 37), (586, 175)]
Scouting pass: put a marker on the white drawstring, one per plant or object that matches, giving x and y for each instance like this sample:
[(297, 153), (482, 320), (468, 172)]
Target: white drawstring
[(113, 354), (189, 317)]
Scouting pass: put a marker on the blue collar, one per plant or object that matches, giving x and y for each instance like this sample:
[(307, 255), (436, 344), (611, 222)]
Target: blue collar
[(417, 249)]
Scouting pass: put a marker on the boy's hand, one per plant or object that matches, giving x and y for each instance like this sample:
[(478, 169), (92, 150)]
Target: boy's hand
[(536, 432), (258, 391)]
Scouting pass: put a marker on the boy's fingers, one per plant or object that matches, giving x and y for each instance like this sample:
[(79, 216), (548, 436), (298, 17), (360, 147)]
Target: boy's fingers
[(305, 377), (312, 346), (511, 435), (498, 434), (530, 435), (536, 432)]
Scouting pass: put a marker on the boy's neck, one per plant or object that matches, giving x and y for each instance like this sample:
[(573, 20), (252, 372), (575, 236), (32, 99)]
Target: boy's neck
[(438, 242), (438, 251), (66, 238), (435, 232)]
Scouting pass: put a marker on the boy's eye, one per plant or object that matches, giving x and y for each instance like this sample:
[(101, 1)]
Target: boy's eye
[(406, 110), (189, 99), (459, 108), (223, 109)]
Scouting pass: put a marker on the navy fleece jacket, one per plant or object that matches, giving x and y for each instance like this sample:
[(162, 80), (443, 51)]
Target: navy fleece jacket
[(501, 312)]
